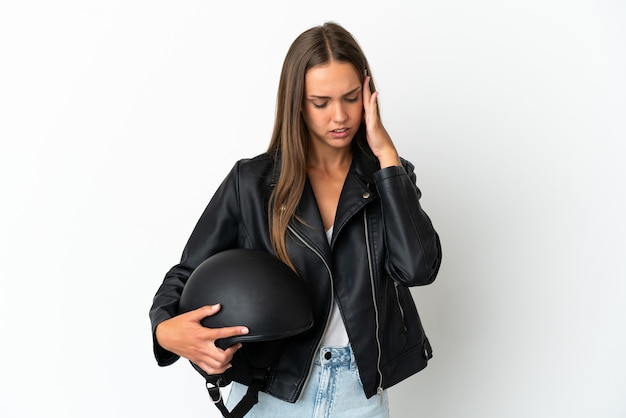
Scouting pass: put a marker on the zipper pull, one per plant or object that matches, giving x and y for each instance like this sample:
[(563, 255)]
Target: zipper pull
[(379, 392)]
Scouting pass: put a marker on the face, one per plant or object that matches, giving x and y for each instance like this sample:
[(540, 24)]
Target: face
[(333, 104)]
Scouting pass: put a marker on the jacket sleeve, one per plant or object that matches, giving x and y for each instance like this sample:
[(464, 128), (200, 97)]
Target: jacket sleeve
[(215, 231), (412, 244)]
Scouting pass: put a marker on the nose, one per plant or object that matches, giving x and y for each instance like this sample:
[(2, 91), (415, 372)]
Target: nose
[(339, 113)]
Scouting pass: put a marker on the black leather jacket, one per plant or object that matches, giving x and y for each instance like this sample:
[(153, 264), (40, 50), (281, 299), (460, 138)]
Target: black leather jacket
[(382, 243)]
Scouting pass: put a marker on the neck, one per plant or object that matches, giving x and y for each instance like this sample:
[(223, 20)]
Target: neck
[(329, 159)]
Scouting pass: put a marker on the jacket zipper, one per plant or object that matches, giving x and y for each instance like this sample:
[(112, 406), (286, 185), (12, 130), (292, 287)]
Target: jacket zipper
[(379, 389), (395, 285), (332, 295)]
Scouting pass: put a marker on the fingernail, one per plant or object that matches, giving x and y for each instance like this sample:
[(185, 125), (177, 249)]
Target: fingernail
[(244, 330)]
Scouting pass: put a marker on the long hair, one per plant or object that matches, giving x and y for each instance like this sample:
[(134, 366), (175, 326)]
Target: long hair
[(290, 138)]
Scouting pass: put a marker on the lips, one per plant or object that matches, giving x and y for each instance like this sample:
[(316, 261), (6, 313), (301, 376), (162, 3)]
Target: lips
[(340, 133)]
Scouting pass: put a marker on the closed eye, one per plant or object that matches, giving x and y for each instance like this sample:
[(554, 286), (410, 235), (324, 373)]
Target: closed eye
[(351, 97)]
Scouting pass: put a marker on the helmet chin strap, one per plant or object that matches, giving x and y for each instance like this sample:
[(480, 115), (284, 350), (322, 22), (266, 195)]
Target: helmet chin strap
[(259, 357), (246, 403)]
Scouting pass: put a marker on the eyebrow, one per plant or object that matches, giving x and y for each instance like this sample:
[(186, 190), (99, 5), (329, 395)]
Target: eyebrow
[(313, 96)]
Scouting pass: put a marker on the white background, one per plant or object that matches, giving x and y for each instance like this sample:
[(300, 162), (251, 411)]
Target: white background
[(118, 120)]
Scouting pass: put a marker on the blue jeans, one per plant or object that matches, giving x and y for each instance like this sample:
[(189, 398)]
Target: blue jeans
[(334, 390)]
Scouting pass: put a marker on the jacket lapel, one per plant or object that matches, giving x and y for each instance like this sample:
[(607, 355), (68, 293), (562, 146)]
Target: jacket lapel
[(358, 188), (310, 221)]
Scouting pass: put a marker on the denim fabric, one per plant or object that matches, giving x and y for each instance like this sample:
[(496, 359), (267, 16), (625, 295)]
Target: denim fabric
[(333, 391)]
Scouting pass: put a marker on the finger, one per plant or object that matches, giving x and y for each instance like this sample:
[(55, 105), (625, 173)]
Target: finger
[(214, 369), (199, 314), (226, 332), (371, 116), (206, 351), (373, 104), (220, 359), (367, 94), (230, 351), (220, 356)]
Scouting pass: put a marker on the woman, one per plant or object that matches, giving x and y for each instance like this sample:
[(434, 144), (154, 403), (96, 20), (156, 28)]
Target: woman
[(333, 200)]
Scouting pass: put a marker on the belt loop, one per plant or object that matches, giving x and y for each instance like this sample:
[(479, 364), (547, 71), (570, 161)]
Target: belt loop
[(352, 359)]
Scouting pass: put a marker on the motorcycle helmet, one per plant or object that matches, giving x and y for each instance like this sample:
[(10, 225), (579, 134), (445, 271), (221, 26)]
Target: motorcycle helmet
[(257, 290)]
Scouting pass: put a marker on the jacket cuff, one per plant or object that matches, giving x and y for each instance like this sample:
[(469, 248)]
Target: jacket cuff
[(388, 172), (163, 357)]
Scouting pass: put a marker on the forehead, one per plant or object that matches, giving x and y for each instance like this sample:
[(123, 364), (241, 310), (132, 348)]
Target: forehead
[(332, 79)]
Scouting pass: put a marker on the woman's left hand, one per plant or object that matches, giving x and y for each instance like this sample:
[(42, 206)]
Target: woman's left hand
[(377, 137)]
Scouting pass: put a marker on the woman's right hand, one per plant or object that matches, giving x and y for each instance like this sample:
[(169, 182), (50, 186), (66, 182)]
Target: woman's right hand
[(185, 336)]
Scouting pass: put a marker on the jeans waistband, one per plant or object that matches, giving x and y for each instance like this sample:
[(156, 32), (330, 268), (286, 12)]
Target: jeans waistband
[(335, 356)]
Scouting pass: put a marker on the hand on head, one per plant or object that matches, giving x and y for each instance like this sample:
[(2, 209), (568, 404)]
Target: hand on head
[(377, 137)]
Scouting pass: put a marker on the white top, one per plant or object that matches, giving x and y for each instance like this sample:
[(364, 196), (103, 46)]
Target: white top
[(335, 335)]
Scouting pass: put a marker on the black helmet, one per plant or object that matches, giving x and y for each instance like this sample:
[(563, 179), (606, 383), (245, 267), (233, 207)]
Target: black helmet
[(255, 289)]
